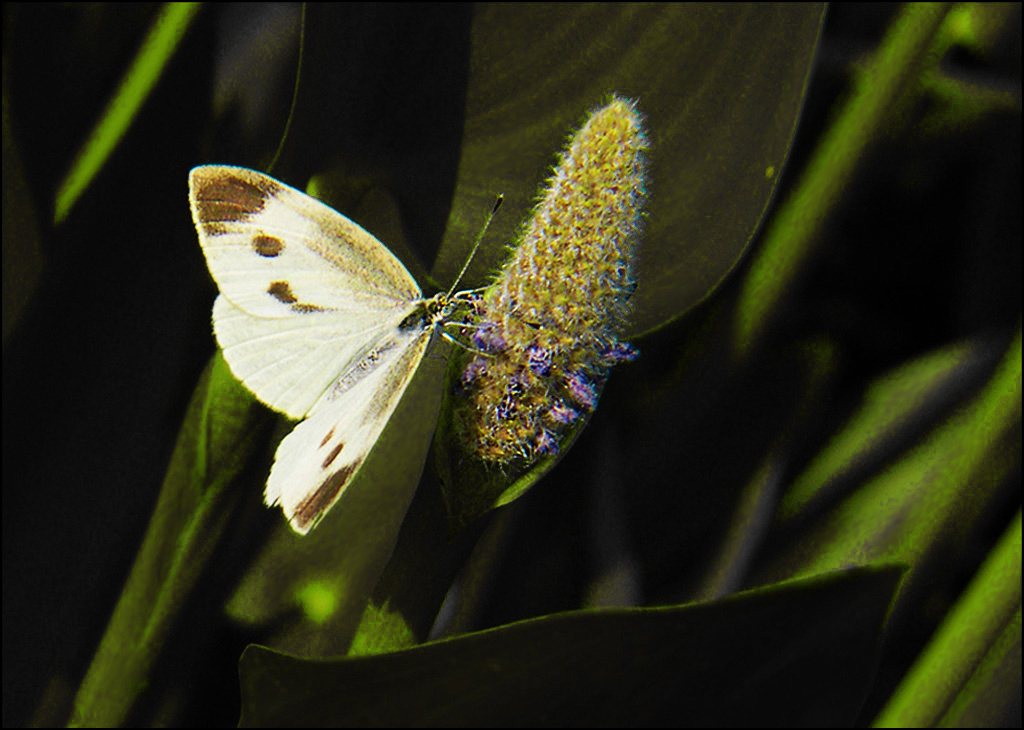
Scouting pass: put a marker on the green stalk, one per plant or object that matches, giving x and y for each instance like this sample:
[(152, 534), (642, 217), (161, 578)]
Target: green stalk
[(874, 106)]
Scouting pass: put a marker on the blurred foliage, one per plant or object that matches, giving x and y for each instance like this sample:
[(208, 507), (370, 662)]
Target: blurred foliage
[(800, 505)]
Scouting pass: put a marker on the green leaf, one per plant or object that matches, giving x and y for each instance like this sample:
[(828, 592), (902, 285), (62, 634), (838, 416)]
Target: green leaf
[(721, 87), (911, 509), (969, 674), (798, 654), (222, 430), (875, 104), (897, 408), (154, 55), (319, 583)]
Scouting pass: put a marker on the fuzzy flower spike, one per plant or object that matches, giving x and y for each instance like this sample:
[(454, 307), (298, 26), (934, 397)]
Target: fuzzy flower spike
[(547, 329)]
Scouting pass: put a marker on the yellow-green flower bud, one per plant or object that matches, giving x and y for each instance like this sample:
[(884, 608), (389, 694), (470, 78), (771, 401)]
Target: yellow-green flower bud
[(547, 329)]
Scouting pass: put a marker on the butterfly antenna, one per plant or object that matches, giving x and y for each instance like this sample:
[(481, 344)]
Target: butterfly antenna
[(479, 240)]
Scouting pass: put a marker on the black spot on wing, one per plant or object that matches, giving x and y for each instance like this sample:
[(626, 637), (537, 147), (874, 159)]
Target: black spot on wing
[(282, 292), (329, 459), (306, 308), (267, 246), (309, 510)]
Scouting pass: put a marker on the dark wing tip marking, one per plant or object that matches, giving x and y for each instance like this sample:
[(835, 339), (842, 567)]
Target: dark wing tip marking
[(231, 197)]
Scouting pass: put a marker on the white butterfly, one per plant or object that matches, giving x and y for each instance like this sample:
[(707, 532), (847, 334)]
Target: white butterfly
[(318, 319)]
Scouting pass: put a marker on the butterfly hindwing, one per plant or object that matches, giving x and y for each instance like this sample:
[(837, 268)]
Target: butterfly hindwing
[(322, 455), (289, 363)]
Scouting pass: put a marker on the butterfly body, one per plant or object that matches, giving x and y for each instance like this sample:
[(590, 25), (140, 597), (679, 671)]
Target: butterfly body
[(317, 318)]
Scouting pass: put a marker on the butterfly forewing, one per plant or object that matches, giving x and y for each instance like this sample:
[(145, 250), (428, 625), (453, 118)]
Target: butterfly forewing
[(275, 251)]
